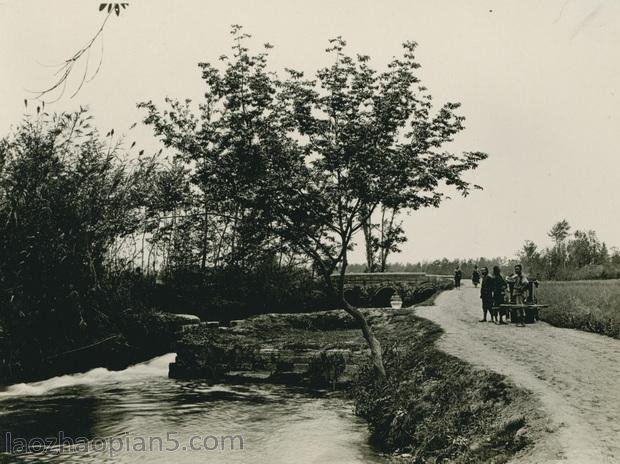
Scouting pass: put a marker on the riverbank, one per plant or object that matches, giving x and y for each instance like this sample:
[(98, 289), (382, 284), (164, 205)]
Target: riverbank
[(433, 406), (436, 407), (140, 336), (321, 350)]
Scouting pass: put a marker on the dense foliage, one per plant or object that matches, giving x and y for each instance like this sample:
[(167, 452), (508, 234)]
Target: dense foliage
[(76, 209), (295, 166), (236, 292), (262, 188), (67, 197)]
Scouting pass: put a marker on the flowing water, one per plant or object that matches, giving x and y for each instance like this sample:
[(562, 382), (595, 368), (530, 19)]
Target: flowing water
[(139, 415)]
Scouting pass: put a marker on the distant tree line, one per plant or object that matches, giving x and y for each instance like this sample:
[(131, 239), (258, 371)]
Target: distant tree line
[(444, 266), (573, 256), (579, 255)]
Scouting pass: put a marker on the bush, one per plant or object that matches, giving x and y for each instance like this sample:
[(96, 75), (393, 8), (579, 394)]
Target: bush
[(234, 292), (326, 368), (436, 408), (65, 198)]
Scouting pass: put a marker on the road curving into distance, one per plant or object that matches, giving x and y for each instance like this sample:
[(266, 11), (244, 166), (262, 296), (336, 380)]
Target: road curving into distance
[(574, 374)]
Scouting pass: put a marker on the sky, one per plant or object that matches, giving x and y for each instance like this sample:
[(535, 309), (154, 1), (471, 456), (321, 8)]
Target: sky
[(538, 82)]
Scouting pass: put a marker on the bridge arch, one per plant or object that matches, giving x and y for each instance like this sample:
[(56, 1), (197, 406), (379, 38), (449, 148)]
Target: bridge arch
[(355, 295), (382, 297), (376, 289)]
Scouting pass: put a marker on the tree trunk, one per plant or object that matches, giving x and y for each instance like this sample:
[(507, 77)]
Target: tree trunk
[(205, 241), (385, 248), (382, 249), (367, 229), (144, 225), (373, 343)]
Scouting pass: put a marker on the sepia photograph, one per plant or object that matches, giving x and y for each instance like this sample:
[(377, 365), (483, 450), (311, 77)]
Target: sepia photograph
[(310, 232)]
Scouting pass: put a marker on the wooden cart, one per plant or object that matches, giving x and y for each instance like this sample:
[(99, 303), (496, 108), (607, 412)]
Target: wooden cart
[(531, 311), (530, 307)]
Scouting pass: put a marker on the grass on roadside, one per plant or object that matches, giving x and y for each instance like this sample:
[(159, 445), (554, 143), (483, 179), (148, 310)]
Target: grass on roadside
[(437, 408), (589, 305)]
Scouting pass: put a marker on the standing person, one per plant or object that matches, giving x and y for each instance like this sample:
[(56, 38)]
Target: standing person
[(486, 294), (458, 275), (499, 294), (520, 286), (475, 276), (533, 290)]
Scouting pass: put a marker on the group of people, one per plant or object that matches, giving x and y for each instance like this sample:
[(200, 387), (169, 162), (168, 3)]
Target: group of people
[(495, 291)]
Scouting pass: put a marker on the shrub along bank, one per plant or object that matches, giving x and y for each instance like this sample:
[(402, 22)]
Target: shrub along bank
[(437, 408)]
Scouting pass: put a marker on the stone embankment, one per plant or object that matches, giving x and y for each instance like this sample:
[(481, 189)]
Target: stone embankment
[(312, 349)]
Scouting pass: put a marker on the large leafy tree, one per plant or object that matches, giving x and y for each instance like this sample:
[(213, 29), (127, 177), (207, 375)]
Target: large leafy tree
[(370, 139), (226, 146), (303, 164)]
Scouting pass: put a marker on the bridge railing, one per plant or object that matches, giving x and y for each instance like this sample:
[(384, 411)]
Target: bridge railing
[(367, 278)]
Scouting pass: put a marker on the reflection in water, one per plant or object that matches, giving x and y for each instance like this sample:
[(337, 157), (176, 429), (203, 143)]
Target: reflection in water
[(143, 412)]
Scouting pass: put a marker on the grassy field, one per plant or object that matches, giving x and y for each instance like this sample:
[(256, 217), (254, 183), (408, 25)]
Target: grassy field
[(590, 305)]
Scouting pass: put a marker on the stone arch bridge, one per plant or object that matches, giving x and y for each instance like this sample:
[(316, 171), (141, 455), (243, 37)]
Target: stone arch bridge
[(376, 289)]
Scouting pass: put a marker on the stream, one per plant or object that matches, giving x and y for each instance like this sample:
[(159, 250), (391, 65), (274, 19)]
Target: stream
[(140, 415)]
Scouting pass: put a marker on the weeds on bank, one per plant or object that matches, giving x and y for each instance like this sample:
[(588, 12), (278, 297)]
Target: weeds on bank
[(434, 407)]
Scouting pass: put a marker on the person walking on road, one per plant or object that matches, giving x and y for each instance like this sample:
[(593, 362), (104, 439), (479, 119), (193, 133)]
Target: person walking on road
[(486, 294), (475, 276), (520, 286), (499, 295), (458, 275)]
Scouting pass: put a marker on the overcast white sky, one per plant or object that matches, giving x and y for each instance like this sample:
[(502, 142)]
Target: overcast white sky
[(538, 82)]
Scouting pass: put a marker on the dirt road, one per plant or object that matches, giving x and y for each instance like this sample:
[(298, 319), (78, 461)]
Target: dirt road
[(576, 375)]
